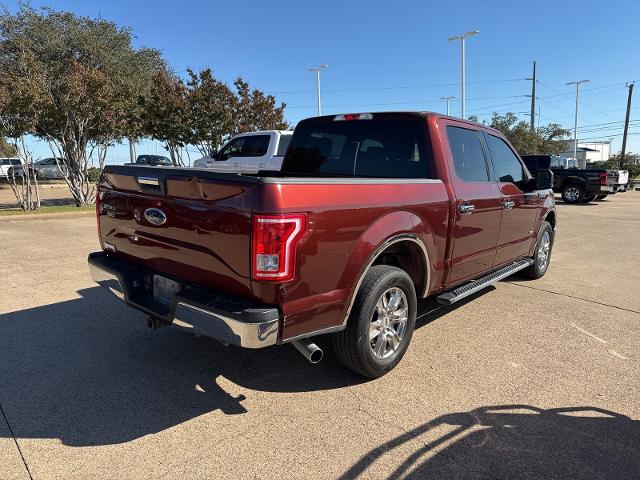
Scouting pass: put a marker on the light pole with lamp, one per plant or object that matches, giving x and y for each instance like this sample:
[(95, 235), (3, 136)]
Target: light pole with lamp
[(462, 38), (575, 120), (317, 70)]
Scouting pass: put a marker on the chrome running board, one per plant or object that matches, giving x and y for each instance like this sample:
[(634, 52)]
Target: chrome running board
[(452, 296)]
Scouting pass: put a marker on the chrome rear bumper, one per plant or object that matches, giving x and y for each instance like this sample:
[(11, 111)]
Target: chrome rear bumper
[(194, 309)]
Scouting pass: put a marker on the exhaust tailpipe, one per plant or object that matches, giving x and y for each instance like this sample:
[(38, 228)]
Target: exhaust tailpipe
[(310, 350), (155, 323)]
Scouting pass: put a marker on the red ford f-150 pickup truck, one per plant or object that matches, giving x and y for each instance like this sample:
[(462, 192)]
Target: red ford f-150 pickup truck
[(370, 213)]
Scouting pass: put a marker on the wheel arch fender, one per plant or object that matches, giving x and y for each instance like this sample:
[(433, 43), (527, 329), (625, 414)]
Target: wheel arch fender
[(388, 231), (549, 216)]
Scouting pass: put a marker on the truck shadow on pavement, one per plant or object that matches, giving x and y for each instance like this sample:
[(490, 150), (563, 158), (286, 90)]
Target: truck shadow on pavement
[(513, 441), (87, 371)]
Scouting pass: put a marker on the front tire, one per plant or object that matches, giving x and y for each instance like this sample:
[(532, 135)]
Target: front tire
[(381, 323), (542, 252), (573, 193)]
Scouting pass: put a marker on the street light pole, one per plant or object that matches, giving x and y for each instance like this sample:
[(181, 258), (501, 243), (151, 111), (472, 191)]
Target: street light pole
[(462, 82), (317, 70), (575, 120), (447, 99)]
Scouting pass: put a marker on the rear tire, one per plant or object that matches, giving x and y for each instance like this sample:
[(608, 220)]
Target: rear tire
[(573, 193), (381, 323), (601, 197), (542, 252), (589, 198)]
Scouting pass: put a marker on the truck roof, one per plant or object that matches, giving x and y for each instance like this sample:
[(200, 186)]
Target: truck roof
[(403, 114)]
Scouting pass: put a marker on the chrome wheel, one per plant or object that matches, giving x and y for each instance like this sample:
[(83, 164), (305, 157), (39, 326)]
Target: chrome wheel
[(544, 249), (388, 323), (572, 194)]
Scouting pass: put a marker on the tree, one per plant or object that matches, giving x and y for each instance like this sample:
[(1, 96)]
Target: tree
[(16, 120), (205, 112), (211, 105), (167, 116), (7, 149), (548, 139), (76, 80), (253, 110)]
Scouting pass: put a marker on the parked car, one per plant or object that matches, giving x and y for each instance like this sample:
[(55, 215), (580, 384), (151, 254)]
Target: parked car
[(152, 161), (6, 164), (46, 168), (574, 184), (249, 153), (370, 213)]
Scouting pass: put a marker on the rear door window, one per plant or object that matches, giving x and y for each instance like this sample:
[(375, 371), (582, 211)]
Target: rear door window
[(255, 146), (360, 148), (467, 151)]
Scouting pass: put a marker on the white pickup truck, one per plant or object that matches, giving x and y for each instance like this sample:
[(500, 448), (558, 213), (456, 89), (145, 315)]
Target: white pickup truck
[(621, 179), (249, 153)]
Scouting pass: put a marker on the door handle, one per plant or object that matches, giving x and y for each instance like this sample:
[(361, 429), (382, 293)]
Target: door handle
[(236, 164), (508, 205), (466, 208)]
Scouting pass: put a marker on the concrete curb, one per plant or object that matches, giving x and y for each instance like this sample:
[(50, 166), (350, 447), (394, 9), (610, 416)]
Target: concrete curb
[(45, 216)]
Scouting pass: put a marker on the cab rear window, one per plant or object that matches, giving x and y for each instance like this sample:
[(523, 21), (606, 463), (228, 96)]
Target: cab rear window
[(360, 148)]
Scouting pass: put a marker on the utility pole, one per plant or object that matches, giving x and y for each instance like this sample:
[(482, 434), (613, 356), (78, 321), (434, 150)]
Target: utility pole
[(447, 99), (575, 120), (626, 125), (317, 70), (532, 124), (462, 81)]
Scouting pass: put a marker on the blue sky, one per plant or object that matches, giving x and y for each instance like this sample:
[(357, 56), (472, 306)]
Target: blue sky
[(385, 55)]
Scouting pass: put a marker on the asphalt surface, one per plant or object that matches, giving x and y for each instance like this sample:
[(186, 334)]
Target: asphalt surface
[(530, 379)]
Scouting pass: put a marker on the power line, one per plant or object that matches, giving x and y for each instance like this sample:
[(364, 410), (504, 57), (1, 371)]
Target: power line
[(397, 87), (569, 97), (406, 102), (429, 70)]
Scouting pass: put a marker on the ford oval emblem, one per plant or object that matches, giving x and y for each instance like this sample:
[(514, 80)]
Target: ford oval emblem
[(155, 216)]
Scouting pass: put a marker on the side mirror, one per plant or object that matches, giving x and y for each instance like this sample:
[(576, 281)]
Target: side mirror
[(543, 180)]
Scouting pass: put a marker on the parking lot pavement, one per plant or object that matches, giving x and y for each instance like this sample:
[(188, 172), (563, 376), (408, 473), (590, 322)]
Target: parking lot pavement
[(529, 379)]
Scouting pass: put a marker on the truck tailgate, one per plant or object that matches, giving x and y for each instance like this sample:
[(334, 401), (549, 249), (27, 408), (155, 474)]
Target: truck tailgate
[(186, 223)]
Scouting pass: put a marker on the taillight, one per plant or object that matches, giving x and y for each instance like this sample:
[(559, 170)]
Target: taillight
[(273, 253), (603, 178)]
